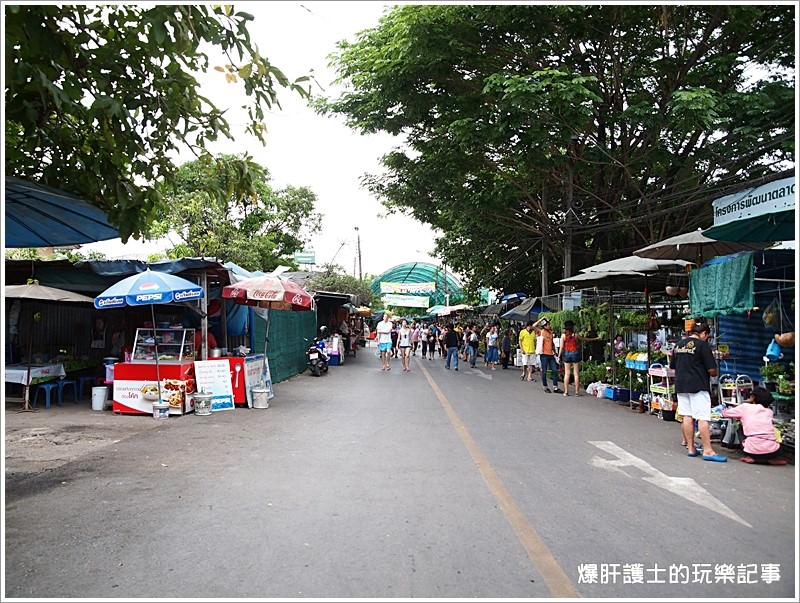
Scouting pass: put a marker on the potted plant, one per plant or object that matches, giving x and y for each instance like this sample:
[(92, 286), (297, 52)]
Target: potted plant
[(771, 372)]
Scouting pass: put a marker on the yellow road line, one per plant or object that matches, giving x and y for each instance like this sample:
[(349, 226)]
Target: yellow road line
[(554, 577)]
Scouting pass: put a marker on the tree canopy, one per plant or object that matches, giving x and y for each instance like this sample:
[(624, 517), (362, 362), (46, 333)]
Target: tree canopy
[(98, 97), (332, 277), (527, 130), (257, 230)]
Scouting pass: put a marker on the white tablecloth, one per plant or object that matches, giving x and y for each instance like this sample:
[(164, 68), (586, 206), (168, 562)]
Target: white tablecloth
[(17, 373)]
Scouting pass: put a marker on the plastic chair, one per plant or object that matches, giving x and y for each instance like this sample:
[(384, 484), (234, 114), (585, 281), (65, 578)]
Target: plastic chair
[(64, 383), (83, 380), (47, 387)]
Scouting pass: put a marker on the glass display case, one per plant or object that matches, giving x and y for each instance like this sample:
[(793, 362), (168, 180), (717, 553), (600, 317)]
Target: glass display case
[(174, 345)]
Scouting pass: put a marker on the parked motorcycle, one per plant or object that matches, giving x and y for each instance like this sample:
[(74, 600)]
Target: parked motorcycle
[(316, 356)]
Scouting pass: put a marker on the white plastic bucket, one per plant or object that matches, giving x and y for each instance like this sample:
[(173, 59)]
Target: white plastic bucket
[(160, 410), (202, 404), (260, 397), (99, 395)]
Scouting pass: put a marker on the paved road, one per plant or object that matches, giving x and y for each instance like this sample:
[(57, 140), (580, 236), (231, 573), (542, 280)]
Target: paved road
[(429, 484)]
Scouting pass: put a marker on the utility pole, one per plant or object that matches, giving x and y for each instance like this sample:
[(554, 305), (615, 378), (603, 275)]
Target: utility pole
[(569, 211), (358, 247)]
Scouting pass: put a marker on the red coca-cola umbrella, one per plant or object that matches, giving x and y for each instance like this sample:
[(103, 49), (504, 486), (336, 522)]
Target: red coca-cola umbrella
[(269, 291)]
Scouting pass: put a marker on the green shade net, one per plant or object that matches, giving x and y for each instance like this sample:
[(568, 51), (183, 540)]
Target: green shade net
[(723, 288), (289, 336)]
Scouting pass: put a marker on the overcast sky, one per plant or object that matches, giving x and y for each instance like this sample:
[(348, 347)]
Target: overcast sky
[(304, 149)]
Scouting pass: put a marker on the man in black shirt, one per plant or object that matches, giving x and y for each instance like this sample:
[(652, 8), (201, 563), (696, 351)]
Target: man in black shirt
[(451, 345), (694, 364)]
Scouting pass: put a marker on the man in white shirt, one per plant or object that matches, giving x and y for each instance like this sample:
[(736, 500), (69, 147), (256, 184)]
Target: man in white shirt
[(384, 335)]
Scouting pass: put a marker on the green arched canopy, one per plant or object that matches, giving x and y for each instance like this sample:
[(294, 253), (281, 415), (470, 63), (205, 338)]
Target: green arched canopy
[(422, 272)]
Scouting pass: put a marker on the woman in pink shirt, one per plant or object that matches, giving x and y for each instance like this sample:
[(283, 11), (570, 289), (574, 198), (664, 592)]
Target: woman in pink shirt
[(756, 418)]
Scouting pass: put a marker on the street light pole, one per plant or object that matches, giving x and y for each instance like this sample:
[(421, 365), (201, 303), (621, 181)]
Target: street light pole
[(358, 247)]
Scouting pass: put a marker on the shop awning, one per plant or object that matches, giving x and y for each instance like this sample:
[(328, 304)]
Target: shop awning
[(493, 310)]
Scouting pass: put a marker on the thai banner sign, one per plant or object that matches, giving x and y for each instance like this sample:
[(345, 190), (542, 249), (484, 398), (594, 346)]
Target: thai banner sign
[(304, 257), (768, 198), (408, 287), (407, 301)]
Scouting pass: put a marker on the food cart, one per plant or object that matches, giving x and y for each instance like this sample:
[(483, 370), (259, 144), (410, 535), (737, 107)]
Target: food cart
[(136, 382)]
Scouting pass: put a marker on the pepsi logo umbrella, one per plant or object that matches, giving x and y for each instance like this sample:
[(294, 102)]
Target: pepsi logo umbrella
[(269, 291), (148, 287)]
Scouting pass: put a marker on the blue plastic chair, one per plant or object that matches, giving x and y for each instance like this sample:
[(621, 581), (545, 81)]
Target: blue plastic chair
[(64, 383), (48, 387), (83, 380)]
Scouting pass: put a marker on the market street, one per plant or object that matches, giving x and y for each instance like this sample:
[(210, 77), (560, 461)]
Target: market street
[(429, 484)]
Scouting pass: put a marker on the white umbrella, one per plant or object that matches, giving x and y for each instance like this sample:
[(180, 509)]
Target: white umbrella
[(635, 263), (696, 247), (33, 290), (625, 278)]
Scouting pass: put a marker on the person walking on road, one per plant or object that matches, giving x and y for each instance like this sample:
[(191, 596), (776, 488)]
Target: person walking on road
[(570, 353), (472, 345), (694, 364), (415, 333), (505, 347), (527, 344), (431, 337), (547, 356), (404, 345), (451, 345), (384, 333), (492, 347)]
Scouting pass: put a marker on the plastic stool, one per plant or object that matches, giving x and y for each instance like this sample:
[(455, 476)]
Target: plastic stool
[(47, 387), (64, 383), (83, 380)]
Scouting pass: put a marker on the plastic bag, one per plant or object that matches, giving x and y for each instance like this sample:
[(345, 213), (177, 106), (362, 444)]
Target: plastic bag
[(775, 318)]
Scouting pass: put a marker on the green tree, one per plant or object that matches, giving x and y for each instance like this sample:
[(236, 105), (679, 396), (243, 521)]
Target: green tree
[(332, 277), (257, 230), (23, 253), (98, 97), (509, 114)]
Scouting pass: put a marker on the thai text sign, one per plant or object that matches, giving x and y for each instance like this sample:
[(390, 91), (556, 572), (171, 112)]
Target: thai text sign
[(408, 301), (408, 287), (767, 198), (304, 257)]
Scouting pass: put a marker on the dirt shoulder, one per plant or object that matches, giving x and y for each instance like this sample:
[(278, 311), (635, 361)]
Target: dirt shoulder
[(48, 438)]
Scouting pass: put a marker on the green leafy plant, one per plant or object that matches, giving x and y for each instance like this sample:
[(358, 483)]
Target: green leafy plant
[(772, 371)]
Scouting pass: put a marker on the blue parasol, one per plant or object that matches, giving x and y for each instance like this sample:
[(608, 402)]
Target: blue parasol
[(43, 216), (149, 288)]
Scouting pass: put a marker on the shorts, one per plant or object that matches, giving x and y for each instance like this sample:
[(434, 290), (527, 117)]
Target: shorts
[(571, 357), (528, 359), (696, 405), (385, 347)]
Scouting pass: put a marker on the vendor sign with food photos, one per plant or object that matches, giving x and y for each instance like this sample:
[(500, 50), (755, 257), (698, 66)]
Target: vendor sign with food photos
[(136, 388)]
